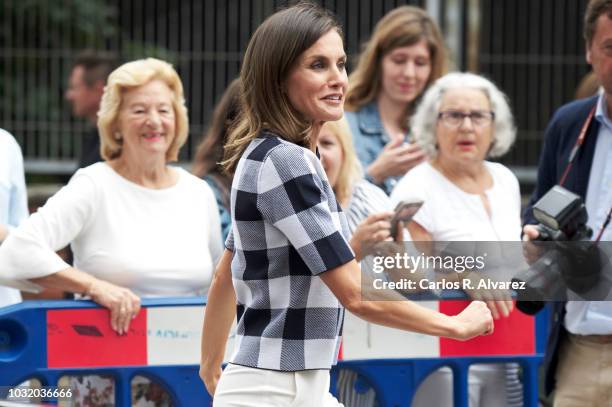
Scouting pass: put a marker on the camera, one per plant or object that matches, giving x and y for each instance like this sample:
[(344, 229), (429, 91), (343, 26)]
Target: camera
[(569, 260), (562, 216)]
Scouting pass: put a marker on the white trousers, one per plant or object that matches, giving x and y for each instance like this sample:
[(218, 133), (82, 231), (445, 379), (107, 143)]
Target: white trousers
[(242, 386), (486, 387)]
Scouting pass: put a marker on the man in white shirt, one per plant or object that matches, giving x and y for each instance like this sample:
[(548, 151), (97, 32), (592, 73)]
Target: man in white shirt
[(13, 199)]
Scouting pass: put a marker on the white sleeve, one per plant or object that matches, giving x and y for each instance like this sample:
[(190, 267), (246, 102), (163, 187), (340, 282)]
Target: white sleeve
[(18, 205), (410, 188), (215, 241), (515, 191), (510, 185), (29, 251)]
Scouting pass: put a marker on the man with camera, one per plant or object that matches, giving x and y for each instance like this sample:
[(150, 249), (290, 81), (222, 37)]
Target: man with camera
[(578, 155)]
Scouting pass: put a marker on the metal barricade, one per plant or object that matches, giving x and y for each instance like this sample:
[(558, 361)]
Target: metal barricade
[(396, 380), (50, 339), (394, 363), (47, 340)]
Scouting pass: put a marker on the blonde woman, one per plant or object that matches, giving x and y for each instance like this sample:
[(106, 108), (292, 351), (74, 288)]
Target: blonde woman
[(138, 227), (405, 54), (367, 208)]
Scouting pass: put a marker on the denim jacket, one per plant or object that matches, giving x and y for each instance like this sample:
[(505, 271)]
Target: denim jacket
[(369, 138), (224, 214)]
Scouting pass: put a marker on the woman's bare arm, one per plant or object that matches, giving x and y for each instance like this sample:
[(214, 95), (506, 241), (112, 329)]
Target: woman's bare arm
[(388, 308), (218, 317)]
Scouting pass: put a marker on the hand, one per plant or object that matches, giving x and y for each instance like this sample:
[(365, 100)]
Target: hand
[(399, 236), (375, 228), (498, 301), (210, 376), (474, 320), (530, 232), (395, 160), (531, 251), (500, 308), (123, 304)]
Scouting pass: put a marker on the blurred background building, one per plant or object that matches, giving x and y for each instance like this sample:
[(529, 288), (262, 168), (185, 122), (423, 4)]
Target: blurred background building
[(533, 49)]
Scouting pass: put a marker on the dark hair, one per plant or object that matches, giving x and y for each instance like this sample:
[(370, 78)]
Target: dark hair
[(273, 51), (210, 150), (96, 64), (594, 10)]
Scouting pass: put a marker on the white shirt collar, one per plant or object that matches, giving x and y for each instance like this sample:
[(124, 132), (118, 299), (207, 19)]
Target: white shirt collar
[(601, 112)]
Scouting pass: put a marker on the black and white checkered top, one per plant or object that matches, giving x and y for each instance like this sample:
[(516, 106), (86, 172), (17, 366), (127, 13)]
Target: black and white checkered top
[(287, 229)]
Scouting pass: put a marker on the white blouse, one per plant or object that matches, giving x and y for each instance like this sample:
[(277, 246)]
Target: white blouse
[(451, 214), (156, 242)]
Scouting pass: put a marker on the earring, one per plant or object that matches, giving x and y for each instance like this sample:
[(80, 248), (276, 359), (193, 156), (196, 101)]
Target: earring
[(118, 136)]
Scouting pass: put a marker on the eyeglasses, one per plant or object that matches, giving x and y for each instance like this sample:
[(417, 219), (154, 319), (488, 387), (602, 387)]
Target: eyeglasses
[(455, 118)]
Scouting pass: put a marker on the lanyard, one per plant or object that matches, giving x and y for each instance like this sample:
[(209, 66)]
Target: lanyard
[(572, 157), (579, 142)]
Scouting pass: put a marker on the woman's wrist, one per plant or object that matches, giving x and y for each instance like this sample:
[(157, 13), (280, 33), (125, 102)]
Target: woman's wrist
[(91, 289), (373, 175), (356, 246), (452, 327), (210, 363)]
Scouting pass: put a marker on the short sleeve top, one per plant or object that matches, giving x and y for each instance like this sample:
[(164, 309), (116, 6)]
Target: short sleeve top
[(287, 229)]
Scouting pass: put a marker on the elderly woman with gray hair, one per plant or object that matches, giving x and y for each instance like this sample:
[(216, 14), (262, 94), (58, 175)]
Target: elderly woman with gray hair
[(463, 120)]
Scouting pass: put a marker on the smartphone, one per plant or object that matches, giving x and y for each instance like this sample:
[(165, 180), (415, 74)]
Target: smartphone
[(404, 211)]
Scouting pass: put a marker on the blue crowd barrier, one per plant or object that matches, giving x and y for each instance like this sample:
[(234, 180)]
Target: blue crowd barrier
[(25, 347), (24, 354), (395, 381)]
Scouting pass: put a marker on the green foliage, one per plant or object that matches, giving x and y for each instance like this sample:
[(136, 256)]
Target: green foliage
[(53, 23), (40, 38), (40, 35)]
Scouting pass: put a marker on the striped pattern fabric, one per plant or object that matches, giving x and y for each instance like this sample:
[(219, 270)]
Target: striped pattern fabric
[(366, 199)]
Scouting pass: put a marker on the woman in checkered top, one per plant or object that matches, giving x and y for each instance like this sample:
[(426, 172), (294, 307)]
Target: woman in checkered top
[(288, 271)]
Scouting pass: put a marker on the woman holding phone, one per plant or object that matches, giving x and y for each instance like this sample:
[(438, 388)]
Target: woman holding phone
[(367, 208), (288, 270), (405, 54)]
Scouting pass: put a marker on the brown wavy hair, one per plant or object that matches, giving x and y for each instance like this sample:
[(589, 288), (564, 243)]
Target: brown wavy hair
[(209, 152), (401, 27), (273, 51)]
